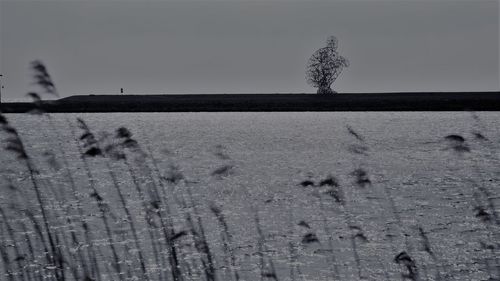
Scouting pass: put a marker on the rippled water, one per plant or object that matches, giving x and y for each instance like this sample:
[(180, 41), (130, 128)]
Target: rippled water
[(418, 183)]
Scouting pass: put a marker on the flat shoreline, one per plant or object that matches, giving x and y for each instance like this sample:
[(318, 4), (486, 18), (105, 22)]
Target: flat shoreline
[(456, 101)]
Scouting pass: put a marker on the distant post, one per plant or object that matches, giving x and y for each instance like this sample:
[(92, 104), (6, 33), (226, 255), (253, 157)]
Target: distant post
[(1, 86), (121, 90)]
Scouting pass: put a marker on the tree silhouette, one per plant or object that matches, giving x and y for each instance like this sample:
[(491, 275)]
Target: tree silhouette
[(324, 67)]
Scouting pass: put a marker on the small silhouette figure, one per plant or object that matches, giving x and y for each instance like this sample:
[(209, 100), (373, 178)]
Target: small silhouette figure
[(121, 90)]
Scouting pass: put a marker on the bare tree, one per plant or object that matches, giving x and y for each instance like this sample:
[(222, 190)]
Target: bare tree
[(324, 67)]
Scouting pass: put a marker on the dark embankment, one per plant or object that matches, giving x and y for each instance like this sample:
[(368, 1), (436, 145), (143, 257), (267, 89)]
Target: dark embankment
[(478, 101)]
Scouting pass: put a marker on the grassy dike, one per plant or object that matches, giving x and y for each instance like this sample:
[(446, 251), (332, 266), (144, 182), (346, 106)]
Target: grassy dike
[(473, 101)]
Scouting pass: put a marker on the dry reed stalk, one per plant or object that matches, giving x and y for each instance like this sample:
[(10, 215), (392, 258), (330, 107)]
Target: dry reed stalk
[(267, 269), (19, 257), (428, 248), (126, 143), (43, 79), (197, 232), (8, 271), (292, 248), (91, 149), (363, 180), (93, 272), (335, 191), (480, 135), (167, 225), (130, 221), (147, 212), (486, 212), (227, 241), (31, 251), (39, 233)]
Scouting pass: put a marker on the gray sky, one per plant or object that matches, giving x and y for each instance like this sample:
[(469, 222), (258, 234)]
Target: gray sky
[(245, 46)]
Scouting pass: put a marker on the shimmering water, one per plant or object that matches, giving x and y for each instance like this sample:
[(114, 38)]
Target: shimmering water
[(418, 182)]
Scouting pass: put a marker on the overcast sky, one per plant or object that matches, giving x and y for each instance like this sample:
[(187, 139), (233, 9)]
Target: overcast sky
[(245, 46)]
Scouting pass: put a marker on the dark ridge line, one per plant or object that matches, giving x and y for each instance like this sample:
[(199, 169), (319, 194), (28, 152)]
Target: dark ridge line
[(407, 101)]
